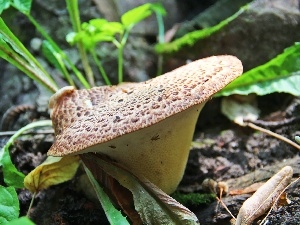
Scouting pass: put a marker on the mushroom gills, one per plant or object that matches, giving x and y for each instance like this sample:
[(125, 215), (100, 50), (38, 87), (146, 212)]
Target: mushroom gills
[(159, 152)]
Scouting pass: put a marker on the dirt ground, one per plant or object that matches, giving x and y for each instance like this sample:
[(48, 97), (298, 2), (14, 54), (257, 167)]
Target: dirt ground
[(221, 150)]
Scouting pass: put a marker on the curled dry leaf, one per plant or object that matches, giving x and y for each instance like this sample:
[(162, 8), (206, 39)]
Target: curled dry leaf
[(54, 170), (240, 108), (264, 197)]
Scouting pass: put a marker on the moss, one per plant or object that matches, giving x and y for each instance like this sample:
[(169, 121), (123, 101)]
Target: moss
[(194, 199)]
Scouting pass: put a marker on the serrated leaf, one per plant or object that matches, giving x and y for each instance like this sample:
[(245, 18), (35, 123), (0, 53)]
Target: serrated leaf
[(54, 170), (152, 204), (9, 204), (281, 74), (21, 221), (23, 6), (135, 15)]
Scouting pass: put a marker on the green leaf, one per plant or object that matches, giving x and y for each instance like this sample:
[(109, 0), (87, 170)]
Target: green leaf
[(281, 74), (9, 204), (191, 38), (113, 215), (135, 15), (97, 23), (21, 221), (112, 28), (158, 8), (23, 6), (4, 4), (12, 177), (55, 57), (22, 58), (152, 204)]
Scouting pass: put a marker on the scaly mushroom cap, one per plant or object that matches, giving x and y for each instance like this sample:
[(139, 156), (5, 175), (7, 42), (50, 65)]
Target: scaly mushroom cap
[(146, 127)]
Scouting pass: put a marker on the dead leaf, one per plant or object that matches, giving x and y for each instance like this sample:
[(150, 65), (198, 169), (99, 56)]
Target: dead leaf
[(283, 200), (239, 109), (264, 197), (54, 170), (152, 204), (247, 190)]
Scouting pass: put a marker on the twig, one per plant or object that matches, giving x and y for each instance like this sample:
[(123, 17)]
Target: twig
[(10, 133), (271, 133)]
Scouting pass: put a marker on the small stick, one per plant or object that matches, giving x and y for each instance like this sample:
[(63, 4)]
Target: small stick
[(280, 137)]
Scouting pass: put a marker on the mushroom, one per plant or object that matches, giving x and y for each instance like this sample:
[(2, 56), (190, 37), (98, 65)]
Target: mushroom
[(146, 127)]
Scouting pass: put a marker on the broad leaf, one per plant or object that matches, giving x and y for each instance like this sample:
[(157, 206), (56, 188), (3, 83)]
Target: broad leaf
[(54, 170), (281, 74), (9, 204), (135, 15), (152, 204)]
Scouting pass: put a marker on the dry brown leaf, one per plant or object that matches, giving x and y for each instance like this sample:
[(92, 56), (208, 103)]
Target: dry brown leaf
[(247, 190), (54, 170), (264, 197)]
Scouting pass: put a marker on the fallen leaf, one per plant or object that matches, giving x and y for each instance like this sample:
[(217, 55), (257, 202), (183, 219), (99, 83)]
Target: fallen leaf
[(240, 108), (247, 190), (54, 170), (264, 197), (283, 200)]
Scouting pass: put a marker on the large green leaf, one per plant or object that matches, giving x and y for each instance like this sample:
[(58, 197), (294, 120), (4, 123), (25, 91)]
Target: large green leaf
[(9, 204), (281, 74)]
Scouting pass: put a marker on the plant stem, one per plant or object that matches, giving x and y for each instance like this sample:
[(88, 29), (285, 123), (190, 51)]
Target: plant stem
[(31, 203), (280, 137), (120, 64), (61, 53), (72, 6), (99, 64), (33, 72), (161, 40)]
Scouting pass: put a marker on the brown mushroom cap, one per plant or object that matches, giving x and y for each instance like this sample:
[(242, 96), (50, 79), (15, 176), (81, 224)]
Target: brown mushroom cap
[(135, 122)]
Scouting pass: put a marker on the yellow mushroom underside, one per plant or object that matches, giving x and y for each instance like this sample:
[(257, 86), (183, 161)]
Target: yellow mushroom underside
[(147, 126)]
